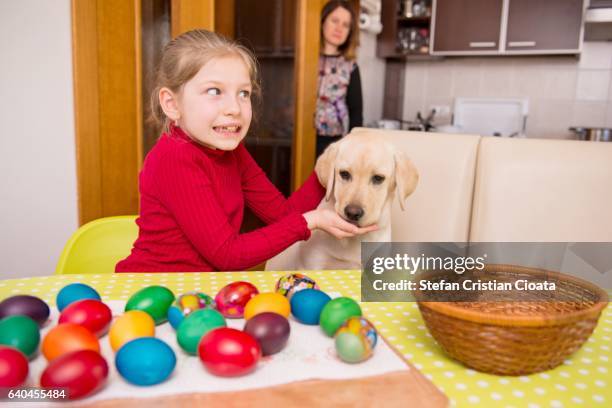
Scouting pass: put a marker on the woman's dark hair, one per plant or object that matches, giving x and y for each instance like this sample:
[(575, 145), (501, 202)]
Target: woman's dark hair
[(349, 47)]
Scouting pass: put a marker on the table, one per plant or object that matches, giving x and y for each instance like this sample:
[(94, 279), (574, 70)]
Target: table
[(583, 380)]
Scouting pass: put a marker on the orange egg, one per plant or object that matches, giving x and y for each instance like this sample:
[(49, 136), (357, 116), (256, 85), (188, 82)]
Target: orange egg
[(67, 337), (129, 326), (267, 302)]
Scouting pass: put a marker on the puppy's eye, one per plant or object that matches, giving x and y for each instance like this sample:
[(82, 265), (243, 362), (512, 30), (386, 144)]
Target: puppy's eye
[(377, 179), (345, 175)]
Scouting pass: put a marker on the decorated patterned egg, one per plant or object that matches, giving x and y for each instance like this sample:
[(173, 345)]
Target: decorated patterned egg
[(145, 361), (89, 313), (20, 332), (196, 325), (294, 282), (355, 340), (25, 305), (335, 313), (73, 292), (81, 373), (129, 326), (155, 300), (68, 337), (267, 302), (187, 303), (232, 298), (13, 367)]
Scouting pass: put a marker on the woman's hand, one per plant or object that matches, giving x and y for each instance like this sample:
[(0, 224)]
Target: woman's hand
[(330, 222)]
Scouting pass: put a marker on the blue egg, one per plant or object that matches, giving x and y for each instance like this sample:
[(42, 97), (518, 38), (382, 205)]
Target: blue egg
[(175, 317), (145, 361), (306, 305), (73, 292)]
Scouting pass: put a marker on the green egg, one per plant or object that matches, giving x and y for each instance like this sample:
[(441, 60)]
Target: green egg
[(20, 332), (154, 300), (350, 348), (196, 325), (335, 313)]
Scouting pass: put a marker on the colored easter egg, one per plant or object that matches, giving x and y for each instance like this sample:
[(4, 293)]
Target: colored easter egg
[(81, 373), (232, 298), (20, 332), (25, 305), (335, 313), (73, 292), (355, 340), (196, 325), (129, 326), (229, 352), (307, 304), (155, 300), (89, 313), (145, 361), (271, 331), (267, 302), (13, 367), (187, 303), (292, 283), (68, 337)]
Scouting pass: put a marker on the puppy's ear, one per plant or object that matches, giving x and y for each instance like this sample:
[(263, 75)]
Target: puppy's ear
[(406, 177), (326, 167)]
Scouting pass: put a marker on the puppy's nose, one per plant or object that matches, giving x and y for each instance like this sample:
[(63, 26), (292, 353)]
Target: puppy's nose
[(353, 212)]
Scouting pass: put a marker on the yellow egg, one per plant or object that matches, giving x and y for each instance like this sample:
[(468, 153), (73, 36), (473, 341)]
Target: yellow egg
[(267, 302), (129, 326)]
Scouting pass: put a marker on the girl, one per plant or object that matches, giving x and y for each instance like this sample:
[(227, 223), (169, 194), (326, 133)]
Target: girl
[(197, 179), (339, 100)]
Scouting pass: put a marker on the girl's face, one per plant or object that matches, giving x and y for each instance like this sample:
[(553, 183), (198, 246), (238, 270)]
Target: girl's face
[(214, 107), (337, 26)]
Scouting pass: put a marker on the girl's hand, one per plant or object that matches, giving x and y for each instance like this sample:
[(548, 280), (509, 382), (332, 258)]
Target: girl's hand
[(332, 223)]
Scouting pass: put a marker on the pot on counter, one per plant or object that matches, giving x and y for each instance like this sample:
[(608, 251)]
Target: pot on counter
[(593, 134)]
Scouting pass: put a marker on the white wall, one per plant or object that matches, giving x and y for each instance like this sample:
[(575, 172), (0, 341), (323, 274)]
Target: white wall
[(372, 70), (562, 91), (38, 198)]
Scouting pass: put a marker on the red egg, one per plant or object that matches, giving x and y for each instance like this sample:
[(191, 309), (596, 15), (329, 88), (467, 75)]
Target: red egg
[(229, 352), (232, 299), (13, 367), (81, 372), (89, 313)]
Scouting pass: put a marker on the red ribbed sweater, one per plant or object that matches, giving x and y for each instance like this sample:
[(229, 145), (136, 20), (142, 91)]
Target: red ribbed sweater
[(192, 202)]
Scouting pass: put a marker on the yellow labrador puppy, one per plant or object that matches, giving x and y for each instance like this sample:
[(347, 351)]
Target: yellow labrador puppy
[(361, 173)]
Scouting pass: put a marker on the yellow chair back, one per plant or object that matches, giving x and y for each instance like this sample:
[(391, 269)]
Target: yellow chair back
[(97, 246)]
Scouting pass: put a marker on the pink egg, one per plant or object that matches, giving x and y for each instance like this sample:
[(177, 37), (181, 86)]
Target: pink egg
[(89, 313), (232, 298)]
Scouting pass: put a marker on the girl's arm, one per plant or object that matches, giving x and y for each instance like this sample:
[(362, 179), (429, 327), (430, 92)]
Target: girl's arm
[(188, 194), (264, 198), (354, 99)]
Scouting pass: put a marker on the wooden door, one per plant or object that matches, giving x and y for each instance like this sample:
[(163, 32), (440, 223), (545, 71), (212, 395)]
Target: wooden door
[(544, 25), (466, 26), (110, 58)]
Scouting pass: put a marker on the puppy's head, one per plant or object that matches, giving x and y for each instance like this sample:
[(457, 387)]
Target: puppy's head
[(361, 172)]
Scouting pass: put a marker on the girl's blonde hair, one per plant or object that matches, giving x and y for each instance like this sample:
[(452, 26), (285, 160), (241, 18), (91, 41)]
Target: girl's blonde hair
[(185, 55)]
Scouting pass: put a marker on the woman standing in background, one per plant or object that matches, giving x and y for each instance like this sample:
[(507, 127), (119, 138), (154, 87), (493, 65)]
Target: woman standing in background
[(339, 101)]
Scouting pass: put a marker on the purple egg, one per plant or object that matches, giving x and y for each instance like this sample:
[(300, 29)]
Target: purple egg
[(271, 331), (25, 305)]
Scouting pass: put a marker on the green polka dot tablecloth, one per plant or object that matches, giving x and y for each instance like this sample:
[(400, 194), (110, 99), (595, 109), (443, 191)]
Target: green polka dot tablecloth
[(584, 380)]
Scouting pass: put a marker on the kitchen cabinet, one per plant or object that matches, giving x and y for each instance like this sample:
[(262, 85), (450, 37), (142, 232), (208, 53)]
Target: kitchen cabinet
[(466, 26), (406, 29), (506, 27), (544, 25)]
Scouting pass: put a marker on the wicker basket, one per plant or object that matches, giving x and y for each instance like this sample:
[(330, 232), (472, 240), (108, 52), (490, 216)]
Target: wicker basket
[(515, 335)]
